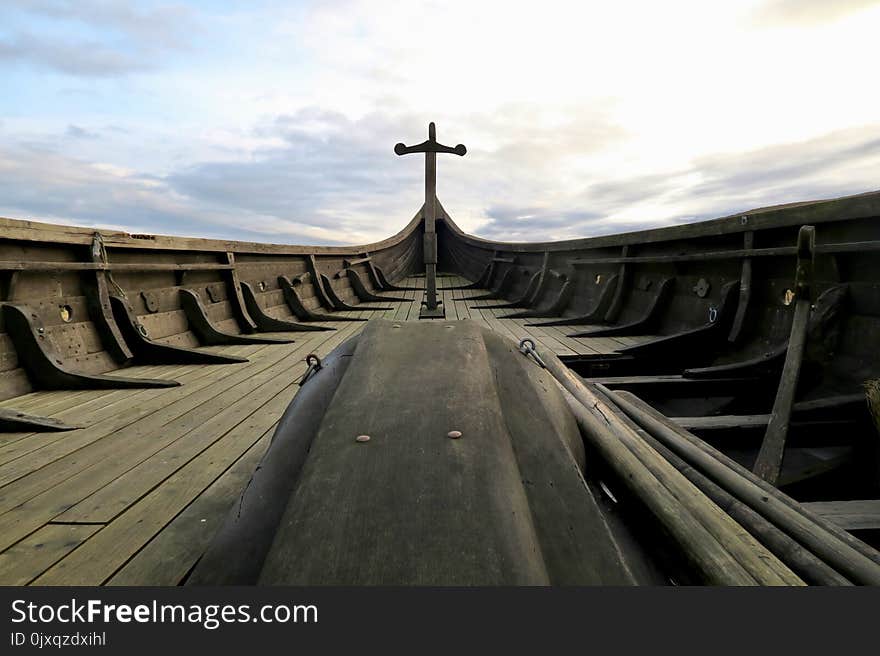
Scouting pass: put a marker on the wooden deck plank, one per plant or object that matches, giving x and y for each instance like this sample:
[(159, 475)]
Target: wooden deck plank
[(461, 307), (548, 338), (23, 562), (853, 515), (167, 558), (104, 504), (110, 458), (55, 401), (48, 398), (122, 500), (98, 558), (111, 418), (580, 345), (100, 403)]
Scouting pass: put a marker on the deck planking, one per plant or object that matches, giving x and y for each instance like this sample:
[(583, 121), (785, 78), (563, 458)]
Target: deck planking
[(135, 495)]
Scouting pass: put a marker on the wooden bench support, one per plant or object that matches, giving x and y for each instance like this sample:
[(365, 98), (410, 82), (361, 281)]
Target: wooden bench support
[(554, 309), (388, 286), (696, 341), (208, 334), (13, 421), (643, 325), (294, 302), (339, 304), (365, 294), (523, 300), (46, 369), (481, 283), (269, 324), (149, 351), (504, 285), (596, 315)]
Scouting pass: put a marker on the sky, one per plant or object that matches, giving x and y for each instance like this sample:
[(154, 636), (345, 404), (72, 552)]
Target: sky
[(276, 121)]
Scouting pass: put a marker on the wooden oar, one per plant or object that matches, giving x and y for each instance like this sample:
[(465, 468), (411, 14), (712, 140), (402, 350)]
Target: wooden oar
[(769, 461)]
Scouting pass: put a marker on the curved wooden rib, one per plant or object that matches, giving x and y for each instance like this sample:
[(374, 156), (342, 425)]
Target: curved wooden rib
[(503, 285), (524, 298), (339, 304), (593, 316), (13, 421), (269, 324), (365, 294), (641, 325), (752, 366), (695, 338), (563, 298), (481, 283), (149, 351), (294, 302), (388, 286), (46, 369), (208, 334)]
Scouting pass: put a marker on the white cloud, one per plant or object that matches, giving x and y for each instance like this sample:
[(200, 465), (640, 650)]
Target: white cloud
[(579, 117)]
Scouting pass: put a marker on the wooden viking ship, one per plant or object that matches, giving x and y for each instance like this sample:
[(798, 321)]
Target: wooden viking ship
[(695, 404)]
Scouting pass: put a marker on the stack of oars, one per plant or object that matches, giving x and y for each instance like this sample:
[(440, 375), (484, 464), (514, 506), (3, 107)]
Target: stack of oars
[(733, 527)]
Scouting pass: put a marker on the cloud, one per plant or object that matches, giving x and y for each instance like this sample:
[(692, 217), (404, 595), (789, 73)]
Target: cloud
[(86, 59), (166, 25), (278, 124), (76, 132), (807, 12), (45, 185), (336, 173), (331, 179), (93, 38), (713, 185), (836, 164), (330, 173), (511, 223)]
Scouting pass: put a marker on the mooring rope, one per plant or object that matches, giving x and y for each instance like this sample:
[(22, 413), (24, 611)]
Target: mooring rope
[(102, 254)]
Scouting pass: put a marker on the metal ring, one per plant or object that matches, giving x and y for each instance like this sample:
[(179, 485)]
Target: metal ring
[(527, 348), (713, 314), (524, 341)]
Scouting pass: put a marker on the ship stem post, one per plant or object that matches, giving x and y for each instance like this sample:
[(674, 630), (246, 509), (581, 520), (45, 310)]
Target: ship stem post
[(431, 307), (430, 236)]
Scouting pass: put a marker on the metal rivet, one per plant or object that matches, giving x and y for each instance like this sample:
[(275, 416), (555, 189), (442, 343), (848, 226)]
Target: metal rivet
[(362, 438), (453, 435)]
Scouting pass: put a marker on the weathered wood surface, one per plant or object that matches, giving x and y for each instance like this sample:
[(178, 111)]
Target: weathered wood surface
[(858, 514), (134, 496)]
